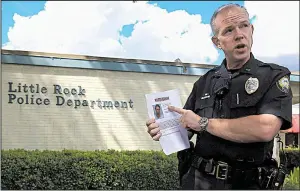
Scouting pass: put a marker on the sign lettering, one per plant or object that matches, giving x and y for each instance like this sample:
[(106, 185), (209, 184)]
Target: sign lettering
[(77, 100)]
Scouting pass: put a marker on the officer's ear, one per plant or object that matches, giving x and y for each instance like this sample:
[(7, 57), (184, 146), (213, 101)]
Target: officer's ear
[(252, 27), (216, 41)]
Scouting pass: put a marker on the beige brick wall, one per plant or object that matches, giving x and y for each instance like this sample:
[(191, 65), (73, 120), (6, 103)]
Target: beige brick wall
[(64, 127)]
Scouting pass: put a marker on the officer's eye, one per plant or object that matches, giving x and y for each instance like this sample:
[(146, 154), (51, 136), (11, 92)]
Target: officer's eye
[(244, 25), (228, 31)]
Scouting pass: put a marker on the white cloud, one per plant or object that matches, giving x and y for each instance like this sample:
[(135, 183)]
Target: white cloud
[(92, 28), (276, 31)]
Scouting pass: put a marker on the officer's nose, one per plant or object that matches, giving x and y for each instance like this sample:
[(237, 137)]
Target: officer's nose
[(239, 38), (239, 35)]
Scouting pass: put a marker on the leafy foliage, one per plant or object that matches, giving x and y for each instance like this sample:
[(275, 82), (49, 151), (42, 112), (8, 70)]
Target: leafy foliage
[(293, 158), (292, 182), (101, 170)]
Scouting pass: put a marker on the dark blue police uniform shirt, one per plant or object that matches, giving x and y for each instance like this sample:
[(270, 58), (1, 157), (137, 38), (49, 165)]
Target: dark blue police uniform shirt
[(273, 95)]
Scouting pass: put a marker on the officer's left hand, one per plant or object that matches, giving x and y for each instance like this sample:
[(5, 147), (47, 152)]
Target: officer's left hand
[(188, 119)]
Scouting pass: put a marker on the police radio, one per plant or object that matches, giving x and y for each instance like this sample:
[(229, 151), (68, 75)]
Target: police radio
[(222, 86)]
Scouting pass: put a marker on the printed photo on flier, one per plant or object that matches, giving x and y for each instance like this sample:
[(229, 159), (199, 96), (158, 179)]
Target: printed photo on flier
[(158, 112)]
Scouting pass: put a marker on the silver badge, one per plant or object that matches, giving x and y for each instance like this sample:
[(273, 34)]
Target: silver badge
[(251, 85)]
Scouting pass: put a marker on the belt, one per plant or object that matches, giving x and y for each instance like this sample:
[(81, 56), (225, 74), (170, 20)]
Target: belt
[(221, 170)]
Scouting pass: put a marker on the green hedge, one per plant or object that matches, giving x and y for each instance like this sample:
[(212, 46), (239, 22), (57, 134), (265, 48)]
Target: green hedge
[(292, 181), (101, 170), (293, 158)]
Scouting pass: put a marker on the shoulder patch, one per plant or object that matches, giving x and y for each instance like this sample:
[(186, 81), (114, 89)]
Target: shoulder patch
[(283, 84)]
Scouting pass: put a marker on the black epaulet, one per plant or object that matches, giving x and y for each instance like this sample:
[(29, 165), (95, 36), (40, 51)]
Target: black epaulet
[(278, 67), (207, 74), (273, 66), (216, 68)]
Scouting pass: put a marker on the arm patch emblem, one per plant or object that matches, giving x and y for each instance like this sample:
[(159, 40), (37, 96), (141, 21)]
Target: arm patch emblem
[(283, 84)]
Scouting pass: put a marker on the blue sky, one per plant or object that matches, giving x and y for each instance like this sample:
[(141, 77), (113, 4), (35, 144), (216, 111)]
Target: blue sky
[(27, 9), (23, 8)]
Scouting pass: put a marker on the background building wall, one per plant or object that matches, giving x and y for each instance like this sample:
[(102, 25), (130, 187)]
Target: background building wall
[(55, 127), (33, 126)]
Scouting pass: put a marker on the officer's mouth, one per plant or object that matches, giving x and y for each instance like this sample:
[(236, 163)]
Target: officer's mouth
[(240, 47)]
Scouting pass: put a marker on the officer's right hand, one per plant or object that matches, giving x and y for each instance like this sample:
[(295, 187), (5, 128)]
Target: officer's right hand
[(153, 129)]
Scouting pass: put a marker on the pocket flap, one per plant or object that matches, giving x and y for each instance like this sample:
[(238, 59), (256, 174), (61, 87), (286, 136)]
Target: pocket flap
[(244, 100), (204, 103)]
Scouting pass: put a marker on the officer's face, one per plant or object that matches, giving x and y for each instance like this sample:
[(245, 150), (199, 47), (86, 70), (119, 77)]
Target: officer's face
[(234, 33)]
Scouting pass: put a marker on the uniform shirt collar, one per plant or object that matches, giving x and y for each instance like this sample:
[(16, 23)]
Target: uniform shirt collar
[(249, 67)]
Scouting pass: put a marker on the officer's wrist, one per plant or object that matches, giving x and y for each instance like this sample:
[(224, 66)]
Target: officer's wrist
[(203, 124)]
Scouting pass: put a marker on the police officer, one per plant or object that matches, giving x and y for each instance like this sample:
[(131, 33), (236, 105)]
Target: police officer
[(235, 110)]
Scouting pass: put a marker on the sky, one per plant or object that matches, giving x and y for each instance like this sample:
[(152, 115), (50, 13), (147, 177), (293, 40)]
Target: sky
[(149, 30)]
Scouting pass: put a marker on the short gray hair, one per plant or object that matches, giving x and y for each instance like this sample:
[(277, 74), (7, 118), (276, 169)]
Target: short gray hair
[(214, 16)]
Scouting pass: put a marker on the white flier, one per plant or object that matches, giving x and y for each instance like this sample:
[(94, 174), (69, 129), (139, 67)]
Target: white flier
[(174, 137)]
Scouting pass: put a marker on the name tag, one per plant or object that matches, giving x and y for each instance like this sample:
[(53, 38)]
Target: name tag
[(205, 96)]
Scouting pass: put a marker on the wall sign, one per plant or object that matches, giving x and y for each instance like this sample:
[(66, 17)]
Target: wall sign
[(78, 93)]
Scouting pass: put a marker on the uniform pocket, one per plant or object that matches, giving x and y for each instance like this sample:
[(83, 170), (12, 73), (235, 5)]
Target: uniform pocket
[(243, 105), (204, 107)]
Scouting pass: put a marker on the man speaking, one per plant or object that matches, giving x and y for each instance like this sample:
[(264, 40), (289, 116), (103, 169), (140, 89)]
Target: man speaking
[(235, 110)]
